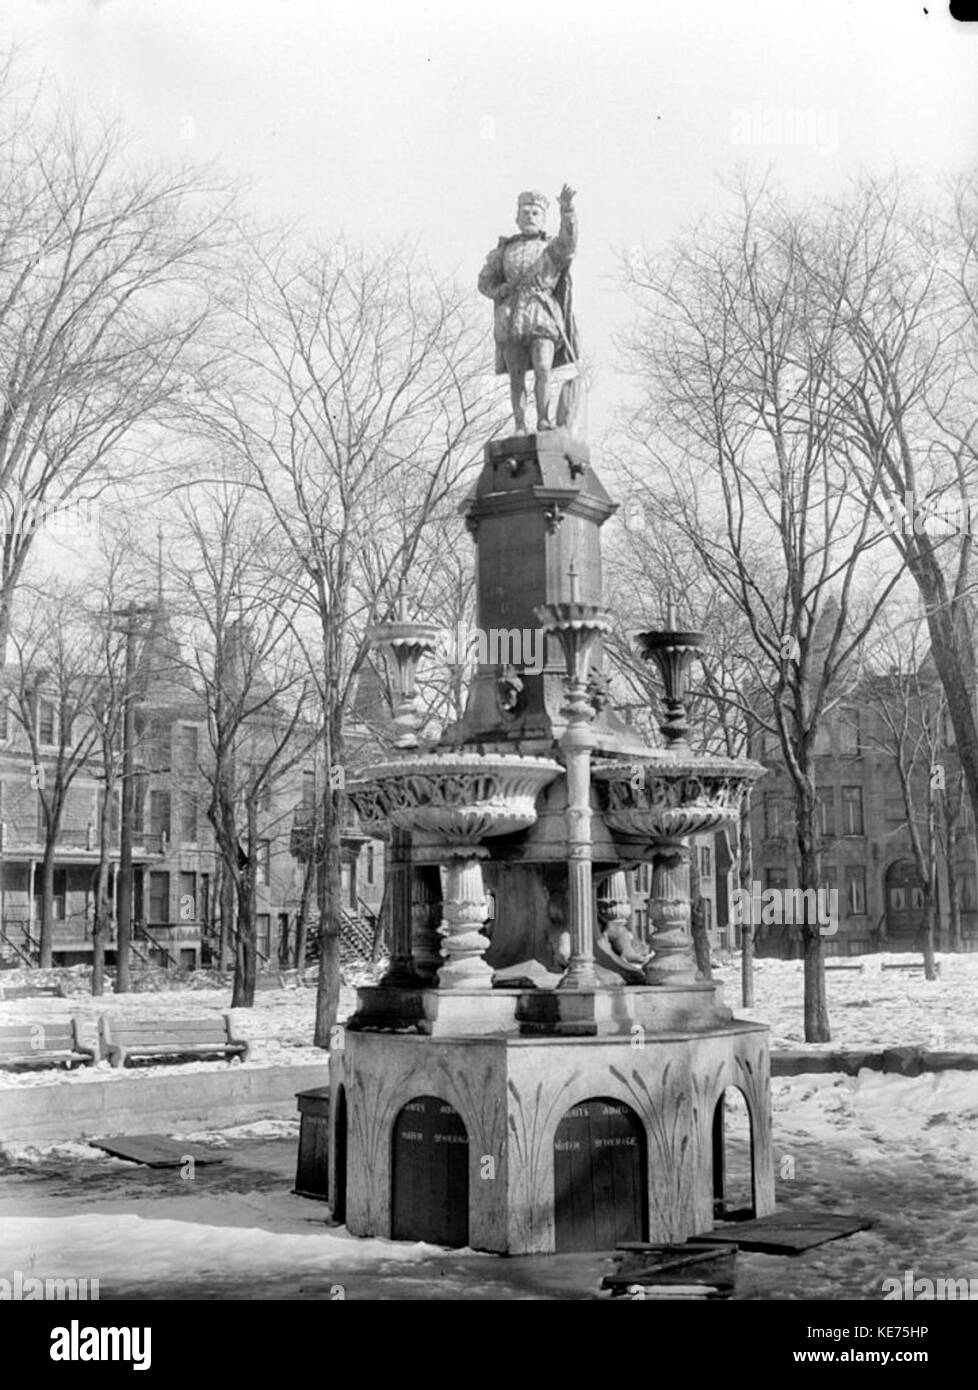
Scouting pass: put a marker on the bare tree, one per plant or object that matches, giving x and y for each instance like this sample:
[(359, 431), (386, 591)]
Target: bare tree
[(357, 403), (738, 433), (107, 708), (910, 710), (53, 682), (102, 303), (253, 681), (902, 275)]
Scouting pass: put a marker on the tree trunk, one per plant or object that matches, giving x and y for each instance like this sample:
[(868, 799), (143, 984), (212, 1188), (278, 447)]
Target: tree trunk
[(952, 846), (930, 892), (697, 917), (816, 1005), (103, 899), (329, 889), (47, 902), (745, 876), (246, 942), (227, 933), (302, 917), (952, 666)]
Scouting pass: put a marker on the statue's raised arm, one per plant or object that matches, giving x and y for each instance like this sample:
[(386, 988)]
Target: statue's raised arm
[(527, 277)]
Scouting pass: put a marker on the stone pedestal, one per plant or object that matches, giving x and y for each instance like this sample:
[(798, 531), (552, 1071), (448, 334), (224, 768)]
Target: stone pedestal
[(485, 1113)]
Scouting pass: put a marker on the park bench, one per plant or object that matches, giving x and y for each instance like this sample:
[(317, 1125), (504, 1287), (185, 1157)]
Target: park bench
[(122, 1039), (46, 1044), (844, 965), (9, 992), (910, 965)]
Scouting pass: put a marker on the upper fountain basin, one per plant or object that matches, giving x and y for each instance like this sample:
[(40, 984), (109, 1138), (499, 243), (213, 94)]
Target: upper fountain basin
[(461, 797), (673, 796)]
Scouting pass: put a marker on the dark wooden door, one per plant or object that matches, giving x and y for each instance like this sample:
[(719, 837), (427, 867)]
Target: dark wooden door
[(600, 1177), (430, 1174)]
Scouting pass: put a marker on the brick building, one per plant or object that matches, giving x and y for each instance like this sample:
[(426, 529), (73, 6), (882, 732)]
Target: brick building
[(176, 873), (867, 854)]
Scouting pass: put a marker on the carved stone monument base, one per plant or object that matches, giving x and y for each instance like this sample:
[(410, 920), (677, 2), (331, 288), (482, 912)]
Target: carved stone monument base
[(487, 1111)]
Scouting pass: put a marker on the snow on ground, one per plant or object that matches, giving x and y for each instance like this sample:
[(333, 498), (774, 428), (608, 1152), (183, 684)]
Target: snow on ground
[(869, 1009), (175, 1238), (279, 1026), (901, 1150)]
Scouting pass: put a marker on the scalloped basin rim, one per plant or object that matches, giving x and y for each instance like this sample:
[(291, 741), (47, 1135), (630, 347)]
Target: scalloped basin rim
[(692, 766), (453, 764)]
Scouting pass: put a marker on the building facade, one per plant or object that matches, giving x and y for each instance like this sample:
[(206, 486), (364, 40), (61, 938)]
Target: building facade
[(866, 849), (176, 868)]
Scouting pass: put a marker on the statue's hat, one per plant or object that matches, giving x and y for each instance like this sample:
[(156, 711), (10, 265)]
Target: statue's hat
[(540, 198)]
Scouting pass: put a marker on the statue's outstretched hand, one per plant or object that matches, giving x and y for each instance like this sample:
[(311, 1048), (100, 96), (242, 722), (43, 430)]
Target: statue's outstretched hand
[(567, 196)]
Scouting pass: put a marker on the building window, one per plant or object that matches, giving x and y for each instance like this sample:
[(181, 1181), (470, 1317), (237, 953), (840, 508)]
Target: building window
[(898, 899), (856, 890), (185, 749), (188, 816), (205, 899), (894, 810), (159, 813), (371, 868), (852, 810), (849, 741), (706, 861), (308, 789), (826, 811), (707, 907), (188, 897), (773, 820), (264, 861), (46, 721), (916, 897), (823, 738), (159, 898), (263, 932), (140, 786)]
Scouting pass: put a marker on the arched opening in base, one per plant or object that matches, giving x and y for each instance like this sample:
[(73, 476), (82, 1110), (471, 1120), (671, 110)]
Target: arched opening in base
[(600, 1177), (430, 1174), (734, 1197)]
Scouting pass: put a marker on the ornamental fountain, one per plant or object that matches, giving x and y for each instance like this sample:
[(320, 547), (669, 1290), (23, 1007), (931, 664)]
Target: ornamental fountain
[(529, 1076)]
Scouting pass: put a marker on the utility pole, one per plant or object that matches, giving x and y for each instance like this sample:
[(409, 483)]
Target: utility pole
[(129, 627)]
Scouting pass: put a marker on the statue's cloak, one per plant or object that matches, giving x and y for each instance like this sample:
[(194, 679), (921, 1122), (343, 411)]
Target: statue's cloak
[(566, 349)]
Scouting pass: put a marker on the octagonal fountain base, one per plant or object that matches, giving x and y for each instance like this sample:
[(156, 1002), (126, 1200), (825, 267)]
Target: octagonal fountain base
[(523, 1145), (613, 1010)]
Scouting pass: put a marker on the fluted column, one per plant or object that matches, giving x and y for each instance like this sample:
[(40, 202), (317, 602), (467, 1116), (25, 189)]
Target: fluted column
[(580, 972), (463, 914), (673, 962), (426, 907)]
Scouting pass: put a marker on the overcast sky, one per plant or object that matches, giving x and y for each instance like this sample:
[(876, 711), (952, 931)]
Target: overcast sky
[(426, 120)]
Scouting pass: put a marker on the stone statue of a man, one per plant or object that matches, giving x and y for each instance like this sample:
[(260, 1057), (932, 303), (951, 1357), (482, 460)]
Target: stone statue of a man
[(527, 276)]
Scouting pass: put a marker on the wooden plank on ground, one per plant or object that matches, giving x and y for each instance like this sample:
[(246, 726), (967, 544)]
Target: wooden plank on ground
[(788, 1233), (156, 1150), (708, 1269)]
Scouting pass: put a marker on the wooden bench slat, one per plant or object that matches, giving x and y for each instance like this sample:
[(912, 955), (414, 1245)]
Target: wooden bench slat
[(123, 1039), (42, 1044)]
